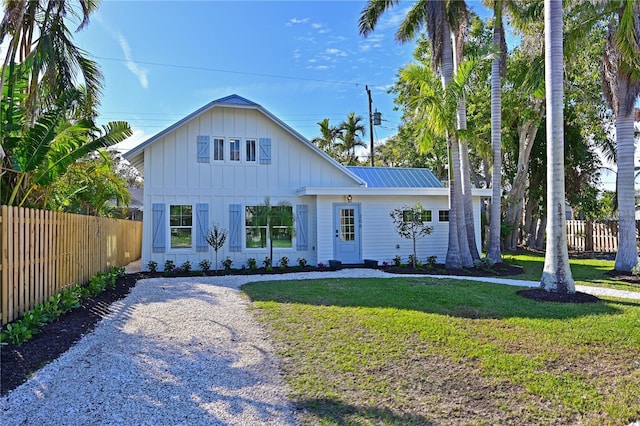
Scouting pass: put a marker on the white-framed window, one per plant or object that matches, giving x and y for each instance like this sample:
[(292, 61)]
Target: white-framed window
[(251, 150), (443, 216), (234, 149), (181, 226), (218, 149), (257, 230), (425, 215)]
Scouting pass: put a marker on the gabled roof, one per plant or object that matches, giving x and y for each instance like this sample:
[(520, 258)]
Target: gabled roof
[(235, 99), (136, 155), (389, 177)]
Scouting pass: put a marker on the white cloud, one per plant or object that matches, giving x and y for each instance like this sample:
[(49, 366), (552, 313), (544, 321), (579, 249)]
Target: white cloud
[(322, 29), (139, 72), (131, 142), (392, 19), (374, 41), (336, 52), (297, 21)]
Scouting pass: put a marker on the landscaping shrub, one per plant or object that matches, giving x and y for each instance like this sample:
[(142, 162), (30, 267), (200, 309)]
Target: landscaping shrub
[(66, 300)]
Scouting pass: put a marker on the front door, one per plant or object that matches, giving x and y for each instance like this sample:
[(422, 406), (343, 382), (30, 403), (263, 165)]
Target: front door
[(346, 222)]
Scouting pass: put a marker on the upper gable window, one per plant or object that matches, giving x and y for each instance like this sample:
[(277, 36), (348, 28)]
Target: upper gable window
[(251, 150), (218, 149), (234, 149)]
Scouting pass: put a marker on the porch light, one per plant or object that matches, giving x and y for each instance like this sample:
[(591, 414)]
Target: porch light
[(349, 198)]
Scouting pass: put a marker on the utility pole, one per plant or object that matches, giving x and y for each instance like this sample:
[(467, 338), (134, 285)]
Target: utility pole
[(370, 123)]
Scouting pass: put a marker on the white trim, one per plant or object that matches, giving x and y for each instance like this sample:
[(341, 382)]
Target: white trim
[(346, 190), (169, 248)]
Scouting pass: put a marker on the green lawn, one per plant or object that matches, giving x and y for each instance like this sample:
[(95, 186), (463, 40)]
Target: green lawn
[(427, 351), (591, 272)]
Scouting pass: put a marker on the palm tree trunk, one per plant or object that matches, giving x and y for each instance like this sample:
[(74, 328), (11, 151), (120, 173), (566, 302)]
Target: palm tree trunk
[(494, 254), (556, 275), (463, 205), (627, 256), (453, 259), (458, 205), (469, 221)]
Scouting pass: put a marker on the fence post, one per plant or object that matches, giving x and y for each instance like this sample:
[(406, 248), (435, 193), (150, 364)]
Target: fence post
[(588, 236)]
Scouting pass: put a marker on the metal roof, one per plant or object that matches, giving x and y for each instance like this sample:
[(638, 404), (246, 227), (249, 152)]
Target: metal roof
[(396, 177), (235, 99)]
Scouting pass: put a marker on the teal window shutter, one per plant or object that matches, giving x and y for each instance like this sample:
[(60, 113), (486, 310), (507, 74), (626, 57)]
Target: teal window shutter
[(159, 228), (204, 143), (235, 220), (265, 150), (202, 229), (302, 227)]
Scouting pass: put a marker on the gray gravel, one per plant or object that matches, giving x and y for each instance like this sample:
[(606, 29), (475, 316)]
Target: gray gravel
[(174, 352)]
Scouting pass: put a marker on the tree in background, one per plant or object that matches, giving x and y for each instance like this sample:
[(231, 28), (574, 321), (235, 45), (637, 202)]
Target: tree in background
[(90, 186), (349, 137), (269, 222), (328, 136)]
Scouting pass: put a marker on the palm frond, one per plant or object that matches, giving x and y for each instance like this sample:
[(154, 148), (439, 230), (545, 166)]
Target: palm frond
[(371, 13), (413, 21)]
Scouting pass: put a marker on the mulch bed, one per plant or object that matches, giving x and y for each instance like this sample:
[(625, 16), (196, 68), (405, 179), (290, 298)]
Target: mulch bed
[(549, 296), (497, 270), (20, 362)]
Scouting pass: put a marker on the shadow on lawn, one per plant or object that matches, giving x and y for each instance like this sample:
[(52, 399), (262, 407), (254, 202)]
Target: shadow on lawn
[(333, 411), (456, 298)]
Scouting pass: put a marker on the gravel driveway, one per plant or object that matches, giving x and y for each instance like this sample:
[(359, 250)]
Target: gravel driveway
[(179, 351)]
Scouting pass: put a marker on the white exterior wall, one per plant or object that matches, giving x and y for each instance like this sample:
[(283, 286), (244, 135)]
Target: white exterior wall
[(379, 237), (173, 176)]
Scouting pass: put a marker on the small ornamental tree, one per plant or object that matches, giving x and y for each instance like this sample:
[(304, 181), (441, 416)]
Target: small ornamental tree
[(216, 238), (409, 223)]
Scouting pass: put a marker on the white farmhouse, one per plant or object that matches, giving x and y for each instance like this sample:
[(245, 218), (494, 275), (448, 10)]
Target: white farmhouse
[(220, 162)]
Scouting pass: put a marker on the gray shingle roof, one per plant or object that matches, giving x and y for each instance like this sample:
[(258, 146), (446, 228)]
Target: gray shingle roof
[(396, 177)]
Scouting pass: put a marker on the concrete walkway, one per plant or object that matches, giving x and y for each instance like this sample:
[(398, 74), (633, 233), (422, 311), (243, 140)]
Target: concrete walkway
[(134, 267)]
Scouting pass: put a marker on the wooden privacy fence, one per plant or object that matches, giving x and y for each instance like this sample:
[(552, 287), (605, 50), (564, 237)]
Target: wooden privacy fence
[(594, 236), (44, 252)]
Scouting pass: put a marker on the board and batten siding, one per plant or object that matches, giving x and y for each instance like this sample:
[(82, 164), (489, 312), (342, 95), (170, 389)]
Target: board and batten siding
[(219, 212), (173, 175), (171, 164)]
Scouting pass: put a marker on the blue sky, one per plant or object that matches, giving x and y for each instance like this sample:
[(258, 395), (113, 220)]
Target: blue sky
[(302, 60)]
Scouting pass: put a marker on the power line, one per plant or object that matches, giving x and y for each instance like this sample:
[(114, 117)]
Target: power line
[(191, 67)]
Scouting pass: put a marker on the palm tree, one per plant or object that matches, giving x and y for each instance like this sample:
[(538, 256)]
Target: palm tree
[(42, 72), (327, 139), (52, 61), (621, 85), (498, 69), (556, 275), (440, 17), (348, 135)]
